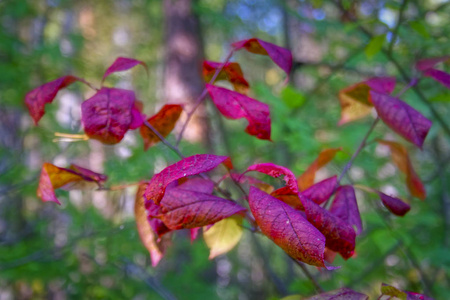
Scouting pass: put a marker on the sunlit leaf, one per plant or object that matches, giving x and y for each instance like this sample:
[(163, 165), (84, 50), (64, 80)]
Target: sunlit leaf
[(394, 205), (164, 122), (123, 64), (223, 235), (307, 178)]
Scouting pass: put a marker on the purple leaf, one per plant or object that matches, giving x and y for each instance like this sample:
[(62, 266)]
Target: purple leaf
[(345, 207), (281, 56), (429, 63), (234, 105), (339, 294), (108, 114), (383, 85), (394, 205), (440, 76), (321, 191), (277, 171), (123, 64), (402, 118), (188, 166), (287, 228), (198, 185), (36, 99)]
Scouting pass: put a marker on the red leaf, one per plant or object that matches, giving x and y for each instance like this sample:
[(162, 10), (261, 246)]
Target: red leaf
[(137, 118), (339, 294), (307, 178), (281, 56), (400, 157), (321, 191), (164, 122), (108, 114), (404, 295), (394, 205), (440, 76), (157, 225), (340, 236), (234, 106), (287, 228), (188, 166), (194, 233), (345, 207), (285, 195), (277, 171), (429, 63), (36, 99), (89, 175), (230, 71), (198, 185), (402, 118), (123, 64), (182, 208)]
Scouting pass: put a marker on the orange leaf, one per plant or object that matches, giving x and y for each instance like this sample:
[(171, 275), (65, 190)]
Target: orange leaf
[(164, 122), (400, 157), (307, 178), (354, 103), (231, 71), (148, 237)]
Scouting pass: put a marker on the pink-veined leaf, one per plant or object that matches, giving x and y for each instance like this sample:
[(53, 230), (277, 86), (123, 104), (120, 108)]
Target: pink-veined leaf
[(277, 171), (429, 63), (234, 105), (402, 118), (394, 205), (389, 290), (307, 178), (188, 166), (156, 246), (440, 76), (108, 114), (231, 71), (287, 228), (279, 55), (339, 294), (401, 159), (345, 207), (36, 99), (164, 122), (123, 64), (340, 236), (321, 191), (182, 208)]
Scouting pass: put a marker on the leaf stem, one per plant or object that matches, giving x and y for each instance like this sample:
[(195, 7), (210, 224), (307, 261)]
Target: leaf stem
[(309, 275)]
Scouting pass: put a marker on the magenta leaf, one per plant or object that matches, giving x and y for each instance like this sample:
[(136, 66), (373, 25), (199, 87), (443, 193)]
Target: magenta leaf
[(137, 118), (188, 166), (340, 236), (321, 191), (123, 64), (108, 114), (194, 233), (198, 185), (277, 171), (383, 85), (402, 118), (342, 294), (182, 208), (234, 105), (345, 207), (394, 205), (36, 99), (440, 76), (429, 63), (287, 228), (392, 291), (281, 56)]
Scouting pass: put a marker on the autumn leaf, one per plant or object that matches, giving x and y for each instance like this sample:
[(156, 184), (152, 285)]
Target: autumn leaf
[(307, 178), (164, 122), (279, 55), (188, 166), (234, 106), (342, 293), (36, 99), (231, 71), (155, 246), (345, 206), (429, 63), (287, 228), (401, 159), (53, 177), (123, 64), (277, 171), (288, 197), (438, 75), (109, 114), (223, 235), (394, 205), (389, 290), (321, 191), (402, 118), (427, 67)]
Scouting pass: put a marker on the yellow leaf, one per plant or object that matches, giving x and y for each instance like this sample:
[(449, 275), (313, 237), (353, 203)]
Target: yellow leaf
[(223, 235)]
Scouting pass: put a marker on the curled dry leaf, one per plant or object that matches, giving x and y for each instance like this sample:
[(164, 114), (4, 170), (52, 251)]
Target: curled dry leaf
[(287, 228), (234, 106), (53, 177), (164, 122), (279, 55), (223, 235), (123, 64), (231, 71), (109, 114), (394, 205), (402, 118), (345, 207), (401, 159)]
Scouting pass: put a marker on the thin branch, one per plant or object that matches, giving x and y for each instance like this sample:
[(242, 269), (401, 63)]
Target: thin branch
[(397, 26), (309, 275), (163, 140)]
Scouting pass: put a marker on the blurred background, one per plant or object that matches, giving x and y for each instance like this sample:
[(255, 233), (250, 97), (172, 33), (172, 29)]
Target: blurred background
[(88, 248)]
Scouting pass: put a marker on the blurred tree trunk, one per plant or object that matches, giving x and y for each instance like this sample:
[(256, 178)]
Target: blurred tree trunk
[(183, 82)]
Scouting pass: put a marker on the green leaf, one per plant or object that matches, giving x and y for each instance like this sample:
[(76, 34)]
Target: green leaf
[(292, 97), (375, 45), (223, 235), (419, 27), (443, 97)]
